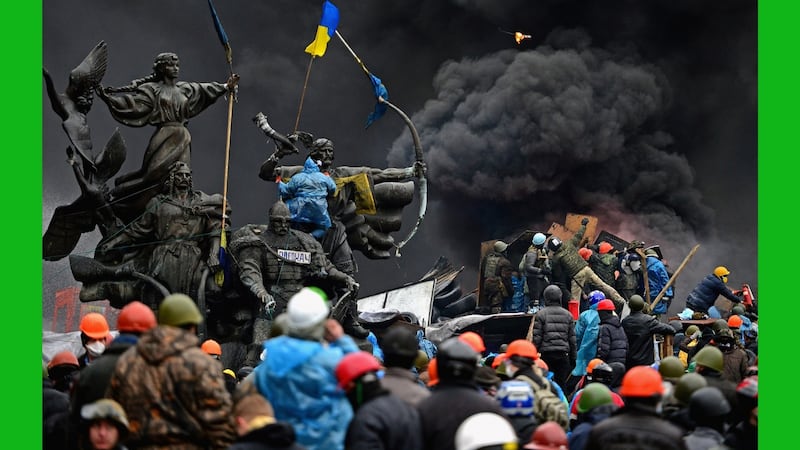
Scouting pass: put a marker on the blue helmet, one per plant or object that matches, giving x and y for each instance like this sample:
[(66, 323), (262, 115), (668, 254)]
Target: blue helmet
[(596, 297), (538, 239), (516, 398)]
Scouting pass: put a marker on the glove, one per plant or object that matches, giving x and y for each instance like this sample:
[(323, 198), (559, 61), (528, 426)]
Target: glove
[(584, 221)]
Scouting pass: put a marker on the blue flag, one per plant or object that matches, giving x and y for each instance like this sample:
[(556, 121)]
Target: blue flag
[(380, 92), (223, 38)]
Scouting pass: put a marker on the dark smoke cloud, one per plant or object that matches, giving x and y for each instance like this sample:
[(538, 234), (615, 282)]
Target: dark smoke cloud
[(565, 127), (641, 113)]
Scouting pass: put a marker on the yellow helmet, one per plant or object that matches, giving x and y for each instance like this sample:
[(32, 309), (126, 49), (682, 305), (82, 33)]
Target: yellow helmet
[(721, 271)]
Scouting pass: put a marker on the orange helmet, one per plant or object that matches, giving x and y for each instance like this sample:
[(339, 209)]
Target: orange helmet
[(734, 321), (522, 347), (354, 365), (211, 347), (433, 372), (63, 358), (474, 340), (136, 317), (94, 325), (498, 360), (592, 364), (642, 381), (585, 253), (604, 247)]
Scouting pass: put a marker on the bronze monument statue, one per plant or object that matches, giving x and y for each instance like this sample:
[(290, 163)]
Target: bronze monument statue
[(366, 206), (91, 209), (162, 101), (275, 262), (173, 240)]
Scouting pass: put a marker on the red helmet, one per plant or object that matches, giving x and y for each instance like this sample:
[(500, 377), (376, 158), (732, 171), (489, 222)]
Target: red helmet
[(433, 372), (606, 305), (94, 325), (356, 364), (522, 347), (642, 381), (548, 436), (605, 247), (474, 340), (211, 347), (63, 358), (585, 253), (136, 317)]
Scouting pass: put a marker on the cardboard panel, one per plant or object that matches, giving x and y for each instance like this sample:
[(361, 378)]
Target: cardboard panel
[(573, 223)]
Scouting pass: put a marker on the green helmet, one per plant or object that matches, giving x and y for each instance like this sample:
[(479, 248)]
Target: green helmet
[(692, 329), (636, 303), (688, 383), (671, 368), (595, 394), (177, 310), (719, 325), (711, 357), (738, 310)]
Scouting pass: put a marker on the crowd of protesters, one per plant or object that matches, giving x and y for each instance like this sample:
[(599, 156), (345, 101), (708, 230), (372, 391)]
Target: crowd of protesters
[(591, 383)]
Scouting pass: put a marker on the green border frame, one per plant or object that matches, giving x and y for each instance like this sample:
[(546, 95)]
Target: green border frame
[(22, 32), (22, 180), (777, 162)]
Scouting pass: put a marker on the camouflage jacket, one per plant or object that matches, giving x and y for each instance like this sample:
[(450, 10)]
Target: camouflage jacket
[(173, 393), (567, 256)]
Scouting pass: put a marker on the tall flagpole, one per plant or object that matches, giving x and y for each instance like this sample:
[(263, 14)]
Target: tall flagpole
[(219, 277), (303, 94)]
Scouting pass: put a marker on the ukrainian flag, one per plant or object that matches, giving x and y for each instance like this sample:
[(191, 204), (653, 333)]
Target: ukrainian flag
[(325, 30)]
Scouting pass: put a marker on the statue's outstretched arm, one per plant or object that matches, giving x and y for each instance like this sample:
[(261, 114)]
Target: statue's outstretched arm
[(56, 99)]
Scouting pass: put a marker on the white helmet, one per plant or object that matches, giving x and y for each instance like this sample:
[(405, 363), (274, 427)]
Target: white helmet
[(484, 430), (306, 309)]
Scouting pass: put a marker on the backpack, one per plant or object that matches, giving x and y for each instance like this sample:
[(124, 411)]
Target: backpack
[(546, 404)]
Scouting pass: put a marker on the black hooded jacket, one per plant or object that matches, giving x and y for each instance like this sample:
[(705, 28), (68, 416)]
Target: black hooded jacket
[(612, 343)]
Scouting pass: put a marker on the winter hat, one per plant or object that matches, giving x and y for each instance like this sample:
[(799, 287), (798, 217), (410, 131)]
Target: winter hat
[(552, 294)]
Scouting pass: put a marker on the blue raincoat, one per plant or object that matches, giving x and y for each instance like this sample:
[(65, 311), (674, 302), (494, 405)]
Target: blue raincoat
[(306, 196), (298, 378), (586, 331)]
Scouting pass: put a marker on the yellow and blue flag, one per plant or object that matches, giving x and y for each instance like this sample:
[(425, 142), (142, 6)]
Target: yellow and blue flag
[(325, 30)]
